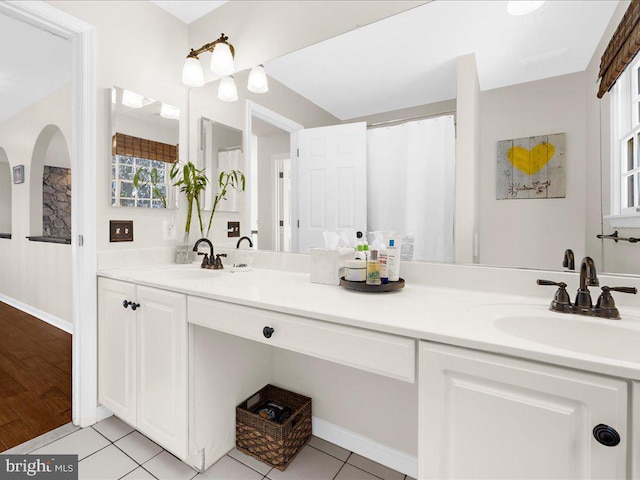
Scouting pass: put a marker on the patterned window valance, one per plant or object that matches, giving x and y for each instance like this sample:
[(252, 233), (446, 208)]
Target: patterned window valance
[(622, 48), (143, 148)]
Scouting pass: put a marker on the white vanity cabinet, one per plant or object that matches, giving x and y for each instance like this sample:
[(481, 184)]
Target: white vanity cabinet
[(142, 360), (487, 416)]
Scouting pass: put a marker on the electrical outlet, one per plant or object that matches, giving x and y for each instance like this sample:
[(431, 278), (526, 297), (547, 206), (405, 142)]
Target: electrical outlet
[(168, 230), (233, 229)]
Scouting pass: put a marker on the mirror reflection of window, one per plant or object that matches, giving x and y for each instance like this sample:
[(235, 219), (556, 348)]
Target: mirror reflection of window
[(145, 135)]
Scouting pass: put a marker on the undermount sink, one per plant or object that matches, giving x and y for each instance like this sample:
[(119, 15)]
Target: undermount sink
[(591, 336)]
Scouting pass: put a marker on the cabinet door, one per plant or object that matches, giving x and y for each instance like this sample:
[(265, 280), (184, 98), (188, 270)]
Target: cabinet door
[(487, 416), (116, 349), (162, 368)]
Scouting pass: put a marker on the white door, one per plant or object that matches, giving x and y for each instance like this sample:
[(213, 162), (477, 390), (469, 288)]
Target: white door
[(116, 348), (484, 416), (162, 368), (332, 182)]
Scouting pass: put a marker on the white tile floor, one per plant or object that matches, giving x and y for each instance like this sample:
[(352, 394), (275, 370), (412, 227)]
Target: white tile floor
[(111, 450)]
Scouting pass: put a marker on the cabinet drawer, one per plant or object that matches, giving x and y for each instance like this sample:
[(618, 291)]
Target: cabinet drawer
[(376, 352)]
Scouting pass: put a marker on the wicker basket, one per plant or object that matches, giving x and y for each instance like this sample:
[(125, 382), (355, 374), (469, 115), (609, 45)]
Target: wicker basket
[(270, 442)]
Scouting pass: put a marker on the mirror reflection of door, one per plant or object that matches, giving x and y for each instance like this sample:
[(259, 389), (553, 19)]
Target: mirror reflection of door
[(282, 189), (5, 195)]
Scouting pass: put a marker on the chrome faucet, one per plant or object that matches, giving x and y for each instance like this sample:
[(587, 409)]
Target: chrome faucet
[(568, 260), (588, 277), (208, 260), (605, 307)]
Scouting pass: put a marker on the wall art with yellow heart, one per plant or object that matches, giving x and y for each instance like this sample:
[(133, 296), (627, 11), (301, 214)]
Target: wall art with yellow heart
[(532, 167)]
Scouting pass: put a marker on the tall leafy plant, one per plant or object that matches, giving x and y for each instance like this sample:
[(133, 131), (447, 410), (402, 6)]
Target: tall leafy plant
[(233, 179), (191, 181)]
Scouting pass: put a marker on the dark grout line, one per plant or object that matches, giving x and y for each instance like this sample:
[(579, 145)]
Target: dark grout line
[(102, 435), (339, 470), (248, 466), (142, 467), (327, 453), (92, 454)]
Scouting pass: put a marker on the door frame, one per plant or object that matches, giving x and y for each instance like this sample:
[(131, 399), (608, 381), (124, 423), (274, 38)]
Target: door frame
[(82, 36), (276, 160), (253, 109)]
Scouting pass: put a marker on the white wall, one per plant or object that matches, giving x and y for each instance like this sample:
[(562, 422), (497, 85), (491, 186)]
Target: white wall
[(142, 48), (137, 127), (377, 407), (58, 152), (268, 146), (533, 233), (5, 193), (36, 274)]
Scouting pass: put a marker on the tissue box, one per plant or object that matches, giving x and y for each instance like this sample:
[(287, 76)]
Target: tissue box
[(327, 266)]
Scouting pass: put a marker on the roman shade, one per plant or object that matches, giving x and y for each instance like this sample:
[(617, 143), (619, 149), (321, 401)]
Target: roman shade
[(143, 148), (622, 48)]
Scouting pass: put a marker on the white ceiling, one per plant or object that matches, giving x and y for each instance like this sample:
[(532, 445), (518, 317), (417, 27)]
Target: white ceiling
[(187, 10), (409, 59), (34, 64)]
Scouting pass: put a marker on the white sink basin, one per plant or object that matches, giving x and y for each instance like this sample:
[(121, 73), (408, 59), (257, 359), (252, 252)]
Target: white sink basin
[(614, 339)]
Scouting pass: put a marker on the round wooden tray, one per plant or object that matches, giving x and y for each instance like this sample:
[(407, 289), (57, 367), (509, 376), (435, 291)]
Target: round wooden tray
[(363, 287)]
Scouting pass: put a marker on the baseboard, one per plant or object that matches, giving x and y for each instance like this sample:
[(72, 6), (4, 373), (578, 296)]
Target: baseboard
[(102, 412), (39, 314), (387, 456)]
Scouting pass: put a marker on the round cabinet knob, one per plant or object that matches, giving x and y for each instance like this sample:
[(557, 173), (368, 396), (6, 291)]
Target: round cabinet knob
[(135, 306), (125, 303), (606, 435), (267, 332)]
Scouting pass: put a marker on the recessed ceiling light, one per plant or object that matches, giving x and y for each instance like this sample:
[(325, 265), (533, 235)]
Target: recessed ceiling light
[(522, 7)]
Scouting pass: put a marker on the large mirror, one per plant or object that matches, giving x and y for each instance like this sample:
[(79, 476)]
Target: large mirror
[(536, 75), (144, 136)]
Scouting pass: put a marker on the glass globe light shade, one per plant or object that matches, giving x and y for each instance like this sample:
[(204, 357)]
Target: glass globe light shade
[(227, 91)]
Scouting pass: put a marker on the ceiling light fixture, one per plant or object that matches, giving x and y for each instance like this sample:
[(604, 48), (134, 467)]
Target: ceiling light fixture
[(523, 7), (258, 82)]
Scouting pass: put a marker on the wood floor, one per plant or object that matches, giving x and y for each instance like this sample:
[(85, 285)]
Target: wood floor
[(35, 377)]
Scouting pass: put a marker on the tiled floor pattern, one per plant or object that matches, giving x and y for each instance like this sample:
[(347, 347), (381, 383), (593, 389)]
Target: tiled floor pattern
[(112, 450)]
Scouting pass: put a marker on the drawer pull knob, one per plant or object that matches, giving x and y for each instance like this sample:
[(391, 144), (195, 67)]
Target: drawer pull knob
[(134, 306), (606, 435), (267, 332)]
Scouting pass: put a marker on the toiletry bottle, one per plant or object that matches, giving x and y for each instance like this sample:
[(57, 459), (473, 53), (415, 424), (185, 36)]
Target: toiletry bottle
[(367, 253), (393, 261), (360, 253), (373, 269), (383, 260)]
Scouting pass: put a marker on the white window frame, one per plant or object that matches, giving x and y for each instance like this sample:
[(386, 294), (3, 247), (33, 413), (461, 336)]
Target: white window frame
[(625, 126), (115, 201)]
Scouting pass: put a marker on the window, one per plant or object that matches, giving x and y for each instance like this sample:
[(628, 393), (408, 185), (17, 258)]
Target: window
[(149, 194), (625, 163)]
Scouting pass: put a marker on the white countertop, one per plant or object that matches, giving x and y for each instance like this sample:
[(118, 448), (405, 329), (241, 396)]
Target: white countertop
[(514, 325)]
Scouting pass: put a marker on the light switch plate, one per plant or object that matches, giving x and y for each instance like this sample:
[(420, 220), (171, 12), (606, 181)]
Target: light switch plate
[(121, 230), (233, 229)]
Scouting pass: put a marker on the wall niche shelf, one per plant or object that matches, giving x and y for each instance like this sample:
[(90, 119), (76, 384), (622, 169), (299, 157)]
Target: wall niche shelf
[(63, 241)]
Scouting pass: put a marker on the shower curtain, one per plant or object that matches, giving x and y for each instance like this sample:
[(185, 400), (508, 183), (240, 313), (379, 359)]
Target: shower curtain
[(229, 160), (410, 184)]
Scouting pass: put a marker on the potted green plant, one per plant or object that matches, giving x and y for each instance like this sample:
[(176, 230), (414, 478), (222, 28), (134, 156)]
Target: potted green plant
[(144, 177), (191, 181), (226, 180)]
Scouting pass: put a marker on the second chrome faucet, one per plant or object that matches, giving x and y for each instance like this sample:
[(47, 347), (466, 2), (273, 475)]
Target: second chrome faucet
[(605, 306)]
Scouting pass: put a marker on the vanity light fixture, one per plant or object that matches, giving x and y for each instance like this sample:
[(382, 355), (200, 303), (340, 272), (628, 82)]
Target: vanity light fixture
[(222, 54), (523, 7), (258, 82), (170, 112), (227, 91), (132, 99)]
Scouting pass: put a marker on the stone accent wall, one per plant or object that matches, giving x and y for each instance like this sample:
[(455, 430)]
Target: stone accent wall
[(56, 202)]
